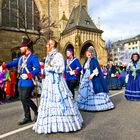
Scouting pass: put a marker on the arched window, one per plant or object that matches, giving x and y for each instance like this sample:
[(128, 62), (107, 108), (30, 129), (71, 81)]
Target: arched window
[(20, 14)]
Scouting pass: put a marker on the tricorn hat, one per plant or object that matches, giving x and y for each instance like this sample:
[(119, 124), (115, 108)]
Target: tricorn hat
[(26, 42)]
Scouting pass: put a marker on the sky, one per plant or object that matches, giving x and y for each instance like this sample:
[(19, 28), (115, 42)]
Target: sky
[(119, 19)]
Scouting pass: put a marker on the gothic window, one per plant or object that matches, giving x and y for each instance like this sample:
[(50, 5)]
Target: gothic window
[(20, 14)]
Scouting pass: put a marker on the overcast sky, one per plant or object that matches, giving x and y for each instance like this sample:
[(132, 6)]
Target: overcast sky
[(119, 19)]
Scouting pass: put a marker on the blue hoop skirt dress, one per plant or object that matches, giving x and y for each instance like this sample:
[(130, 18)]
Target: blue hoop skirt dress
[(132, 91), (88, 100), (57, 111)]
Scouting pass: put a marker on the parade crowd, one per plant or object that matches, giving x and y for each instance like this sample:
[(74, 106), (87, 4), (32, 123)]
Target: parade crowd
[(57, 79)]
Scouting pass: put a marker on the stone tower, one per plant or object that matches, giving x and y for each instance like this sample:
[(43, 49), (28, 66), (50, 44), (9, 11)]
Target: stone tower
[(67, 6), (65, 9)]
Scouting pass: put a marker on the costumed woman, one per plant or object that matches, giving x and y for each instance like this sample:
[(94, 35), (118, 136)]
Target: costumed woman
[(122, 76), (93, 92), (132, 91), (113, 83), (2, 84), (57, 111)]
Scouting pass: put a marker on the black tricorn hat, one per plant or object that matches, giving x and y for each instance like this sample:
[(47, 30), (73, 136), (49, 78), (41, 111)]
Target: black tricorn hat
[(26, 42)]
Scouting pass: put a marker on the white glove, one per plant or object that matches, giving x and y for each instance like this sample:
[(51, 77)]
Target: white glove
[(72, 72), (112, 75), (95, 71), (105, 73), (127, 78), (24, 76)]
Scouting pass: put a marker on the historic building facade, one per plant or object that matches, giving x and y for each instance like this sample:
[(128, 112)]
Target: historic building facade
[(74, 26), (121, 51)]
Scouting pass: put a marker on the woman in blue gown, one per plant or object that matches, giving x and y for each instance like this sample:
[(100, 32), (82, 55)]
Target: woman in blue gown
[(132, 91), (93, 92), (57, 111)]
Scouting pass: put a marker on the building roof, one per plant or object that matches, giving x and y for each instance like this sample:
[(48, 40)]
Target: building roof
[(135, 38), (79, 19)]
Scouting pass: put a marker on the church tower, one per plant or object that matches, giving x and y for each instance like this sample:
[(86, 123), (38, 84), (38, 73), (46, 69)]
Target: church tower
[(65, 9), (67, 6), (75, 3)]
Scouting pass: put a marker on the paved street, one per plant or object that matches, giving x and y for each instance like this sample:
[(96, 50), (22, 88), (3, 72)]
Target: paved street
[(122, 123)]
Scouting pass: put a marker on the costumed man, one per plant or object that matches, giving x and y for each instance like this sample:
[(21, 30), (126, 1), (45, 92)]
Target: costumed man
[(28, 68), (72, 70)]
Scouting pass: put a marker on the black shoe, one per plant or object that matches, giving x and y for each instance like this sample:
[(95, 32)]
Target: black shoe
[(24, 121)]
